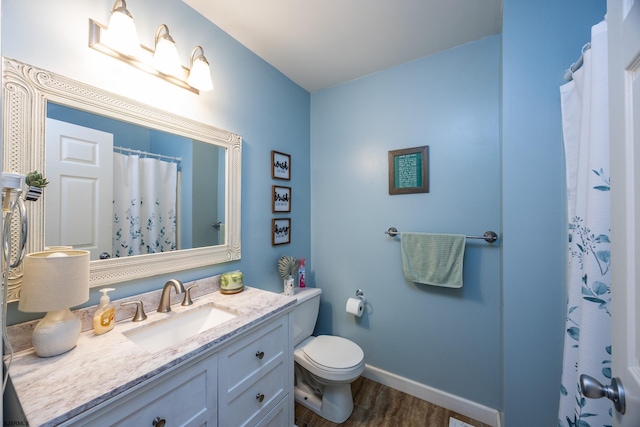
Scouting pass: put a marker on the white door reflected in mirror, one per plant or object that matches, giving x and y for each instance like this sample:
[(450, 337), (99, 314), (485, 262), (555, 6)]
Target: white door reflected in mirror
[(79, 199)]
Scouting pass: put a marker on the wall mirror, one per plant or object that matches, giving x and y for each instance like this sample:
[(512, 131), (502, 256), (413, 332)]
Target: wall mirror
[(207, 219)]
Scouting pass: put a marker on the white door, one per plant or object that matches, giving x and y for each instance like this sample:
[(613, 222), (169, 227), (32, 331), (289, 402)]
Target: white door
[(79, 198), (623, 20)]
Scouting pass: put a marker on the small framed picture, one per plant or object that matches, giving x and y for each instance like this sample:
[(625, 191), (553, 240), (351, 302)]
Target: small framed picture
[(280, 231), (280, 165), (280, 199), (409, 170)]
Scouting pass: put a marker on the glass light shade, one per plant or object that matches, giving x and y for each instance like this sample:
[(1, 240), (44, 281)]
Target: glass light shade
[(200, 76), (121, 34), (165, 58)]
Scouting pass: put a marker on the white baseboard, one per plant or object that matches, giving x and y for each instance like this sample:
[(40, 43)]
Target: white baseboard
[(457, 404)]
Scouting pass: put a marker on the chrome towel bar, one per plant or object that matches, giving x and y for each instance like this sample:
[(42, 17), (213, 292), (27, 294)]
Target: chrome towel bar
[(488, 236)]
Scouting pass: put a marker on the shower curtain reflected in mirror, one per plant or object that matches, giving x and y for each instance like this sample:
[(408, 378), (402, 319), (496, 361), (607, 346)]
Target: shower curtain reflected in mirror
[(144, 205)]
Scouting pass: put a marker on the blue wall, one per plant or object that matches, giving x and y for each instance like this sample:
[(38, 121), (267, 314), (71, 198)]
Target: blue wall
[(446, 338), (251, 99), (124, 134), (339, 138), (413, 331), (540, 40)]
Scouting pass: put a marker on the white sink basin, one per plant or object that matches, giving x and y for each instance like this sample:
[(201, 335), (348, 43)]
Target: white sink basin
[(165, 333)]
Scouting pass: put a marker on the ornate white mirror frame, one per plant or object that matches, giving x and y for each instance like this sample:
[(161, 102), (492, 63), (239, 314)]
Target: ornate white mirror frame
[(26, 91)]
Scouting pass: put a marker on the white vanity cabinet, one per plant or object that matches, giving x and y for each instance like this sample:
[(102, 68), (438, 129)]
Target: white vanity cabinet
[(254, 377), (184, 397), (244, 380)]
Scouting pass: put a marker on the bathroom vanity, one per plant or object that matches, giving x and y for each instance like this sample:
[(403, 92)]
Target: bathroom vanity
[(239, 373)]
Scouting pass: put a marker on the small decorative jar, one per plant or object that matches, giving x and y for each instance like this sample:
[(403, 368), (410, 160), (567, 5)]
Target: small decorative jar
[(231, 282)]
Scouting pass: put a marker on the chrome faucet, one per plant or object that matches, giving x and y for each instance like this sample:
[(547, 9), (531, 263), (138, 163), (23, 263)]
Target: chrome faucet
[(165, 299)]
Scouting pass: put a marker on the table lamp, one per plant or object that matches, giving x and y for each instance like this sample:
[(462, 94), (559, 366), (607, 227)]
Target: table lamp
[(53, 282)]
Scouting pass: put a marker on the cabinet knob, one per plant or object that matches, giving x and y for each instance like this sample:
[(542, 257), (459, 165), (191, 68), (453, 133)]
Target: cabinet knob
[(159, 422), (260, 354), (259, 397)]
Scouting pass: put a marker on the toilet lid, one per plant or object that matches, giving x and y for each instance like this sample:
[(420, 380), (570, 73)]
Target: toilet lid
[(333, 352)]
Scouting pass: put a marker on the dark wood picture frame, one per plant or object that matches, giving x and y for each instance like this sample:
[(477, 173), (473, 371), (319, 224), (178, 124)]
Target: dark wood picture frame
[(409, 170), (280, 165), (280, 231), (280, 199)]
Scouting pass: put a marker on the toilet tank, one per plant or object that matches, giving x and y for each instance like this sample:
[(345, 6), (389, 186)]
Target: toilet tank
[(306, 313)]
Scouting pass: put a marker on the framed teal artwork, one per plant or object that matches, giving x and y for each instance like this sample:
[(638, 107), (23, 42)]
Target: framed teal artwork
[(409, 170)]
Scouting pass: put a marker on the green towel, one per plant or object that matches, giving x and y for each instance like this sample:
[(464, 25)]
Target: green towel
[(433, 259)]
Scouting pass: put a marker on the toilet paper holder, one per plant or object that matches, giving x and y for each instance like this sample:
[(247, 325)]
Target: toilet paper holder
[(360, 295)]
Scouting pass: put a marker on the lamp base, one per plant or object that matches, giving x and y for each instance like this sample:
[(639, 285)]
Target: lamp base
[(57, 333)]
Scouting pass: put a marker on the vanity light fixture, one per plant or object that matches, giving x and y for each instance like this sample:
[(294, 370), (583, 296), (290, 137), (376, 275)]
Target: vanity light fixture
[(165, 57), (122, 35), (200, 74), (162, 61), (52, 282)]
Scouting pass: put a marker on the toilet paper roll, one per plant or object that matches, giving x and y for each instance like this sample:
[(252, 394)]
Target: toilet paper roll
[(355, 306)]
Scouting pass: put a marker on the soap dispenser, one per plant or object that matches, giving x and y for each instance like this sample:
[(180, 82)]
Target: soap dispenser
[(105, 317)]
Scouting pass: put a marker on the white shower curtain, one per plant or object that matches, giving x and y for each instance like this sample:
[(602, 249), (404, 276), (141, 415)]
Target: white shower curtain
[(587, 339), (144, 205)]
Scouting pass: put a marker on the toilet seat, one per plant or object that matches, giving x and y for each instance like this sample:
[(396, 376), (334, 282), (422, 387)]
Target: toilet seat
[(330, 358), (333, 353)]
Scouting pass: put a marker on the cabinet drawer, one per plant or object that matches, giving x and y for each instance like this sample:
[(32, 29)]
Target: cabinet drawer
[(257, 400), (186, 397), (277, 417), (245, 358)]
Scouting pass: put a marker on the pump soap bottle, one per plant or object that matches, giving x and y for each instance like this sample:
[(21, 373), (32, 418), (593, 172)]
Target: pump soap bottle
[(105, 317)]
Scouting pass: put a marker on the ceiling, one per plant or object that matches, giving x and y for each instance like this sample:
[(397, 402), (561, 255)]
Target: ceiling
[(322, 43)]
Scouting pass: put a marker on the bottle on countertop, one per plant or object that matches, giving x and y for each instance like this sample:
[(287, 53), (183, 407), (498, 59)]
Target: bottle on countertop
[(301, 274), (288, 286), (105, 317)]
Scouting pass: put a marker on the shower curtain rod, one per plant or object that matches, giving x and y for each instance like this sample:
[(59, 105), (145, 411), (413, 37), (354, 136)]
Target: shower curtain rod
[(488, 236), (568, 75), (147, 154)]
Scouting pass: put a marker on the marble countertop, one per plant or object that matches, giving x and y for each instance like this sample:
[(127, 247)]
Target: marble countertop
[(53, 390)]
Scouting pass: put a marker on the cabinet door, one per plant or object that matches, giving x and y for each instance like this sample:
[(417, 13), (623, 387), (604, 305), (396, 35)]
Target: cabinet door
[(186, 397)]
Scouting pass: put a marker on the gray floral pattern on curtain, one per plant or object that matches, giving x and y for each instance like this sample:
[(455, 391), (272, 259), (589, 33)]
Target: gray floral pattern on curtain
[(587, 346), (144, 205)]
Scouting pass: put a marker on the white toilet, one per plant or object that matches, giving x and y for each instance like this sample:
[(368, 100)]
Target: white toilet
[(325, 366)]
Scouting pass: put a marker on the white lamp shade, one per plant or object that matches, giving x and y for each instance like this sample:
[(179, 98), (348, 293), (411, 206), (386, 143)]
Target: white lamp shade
[(200, 76), (54, 281), (121, 34), (165, 58)]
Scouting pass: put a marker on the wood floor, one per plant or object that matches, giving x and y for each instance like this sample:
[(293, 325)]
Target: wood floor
[(376, 405)]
